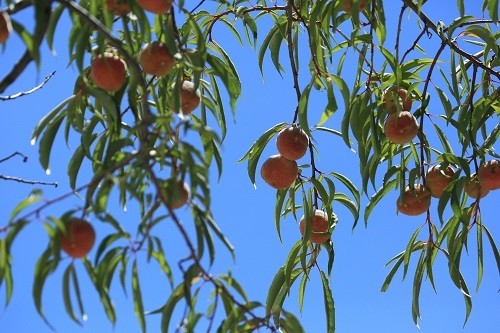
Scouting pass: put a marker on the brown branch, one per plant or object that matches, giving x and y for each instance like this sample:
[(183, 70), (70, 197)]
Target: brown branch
[(27, 181), (25, 158), (27, 58), (24, 93), (450, 43)]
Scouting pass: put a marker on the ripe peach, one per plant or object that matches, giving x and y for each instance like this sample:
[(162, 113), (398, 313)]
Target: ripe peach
[(401, 128), (489, 175), (5, 26), (395, 95), (155, 6), (319, 227), (155, 59), (119, 7), (190, 98), (177, 194), (414, 201), (347, 5), (436, 179), (279, 172), (292, 142), (108, 71), (78, 239), (473, 187)]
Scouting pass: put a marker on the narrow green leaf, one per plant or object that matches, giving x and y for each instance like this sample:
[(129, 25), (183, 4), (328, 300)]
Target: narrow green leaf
[(254, 152), (274, 289), (378, 196), (136, 291), (479, 253), (329, 303), (68, 304)]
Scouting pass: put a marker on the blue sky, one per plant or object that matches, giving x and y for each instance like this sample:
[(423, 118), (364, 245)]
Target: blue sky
[(245, 214)]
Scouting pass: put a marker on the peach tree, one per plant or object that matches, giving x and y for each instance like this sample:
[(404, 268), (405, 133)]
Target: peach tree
[(150, 108)]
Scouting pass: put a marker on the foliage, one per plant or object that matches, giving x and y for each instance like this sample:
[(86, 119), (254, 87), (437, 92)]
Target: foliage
[(136, 141)]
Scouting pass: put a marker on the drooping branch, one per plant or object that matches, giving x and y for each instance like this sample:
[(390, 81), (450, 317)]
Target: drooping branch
[(27, 57), (450, 43)]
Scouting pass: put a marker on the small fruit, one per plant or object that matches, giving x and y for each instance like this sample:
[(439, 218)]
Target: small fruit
[(190, 98), (437, 179), (78, 239), (119, 7), (395, 95), (401, 128), (177, 194), (5, 26), (473, 187), (319, 227), (489, 175), (279, 172), (347, 5), (292, 142), (414, 201), (155, 6), (155, 59), (108, 71)]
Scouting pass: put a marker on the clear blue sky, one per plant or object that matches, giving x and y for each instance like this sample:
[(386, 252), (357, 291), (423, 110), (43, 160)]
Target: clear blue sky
[(245, 214)]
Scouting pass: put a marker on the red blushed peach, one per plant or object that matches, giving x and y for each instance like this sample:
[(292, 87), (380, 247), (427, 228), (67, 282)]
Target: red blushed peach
[(5, 26), (155, 6), (319, 227), (108, 71), (78, 239), (414, 201), (292, 142), (155, 59), (397, 95), (401, 128), (473, 187), (279, 172), (437, 179), (489, 175)]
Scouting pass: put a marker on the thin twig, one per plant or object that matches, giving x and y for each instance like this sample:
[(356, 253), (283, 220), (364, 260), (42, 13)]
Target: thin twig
[(23, 93), (25, 158), (27, 181)]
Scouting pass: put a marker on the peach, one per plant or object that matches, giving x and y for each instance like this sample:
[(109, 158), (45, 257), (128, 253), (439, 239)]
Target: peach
[(155, 59), (414, 201), (5, 26), (292, 142), (155, 6), (395, 95), (319, 227), (473, 187), (108, 71), (279, 172), (437, 179), (78, 239), (178, 194), (489, 175), (347, 5), (401, 128), (190, 98), (118, 7)]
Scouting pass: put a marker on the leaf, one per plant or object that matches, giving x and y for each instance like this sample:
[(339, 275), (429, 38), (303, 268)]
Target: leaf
[(168, 308), (68, 304), (45, 265), (34, 197), (280, 199), (274, 289), (302, 109), (254, 152), (136, 291), (378, 196), (479, 253), (417, 284), (74, 166), (47, 141), (329, 303)]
